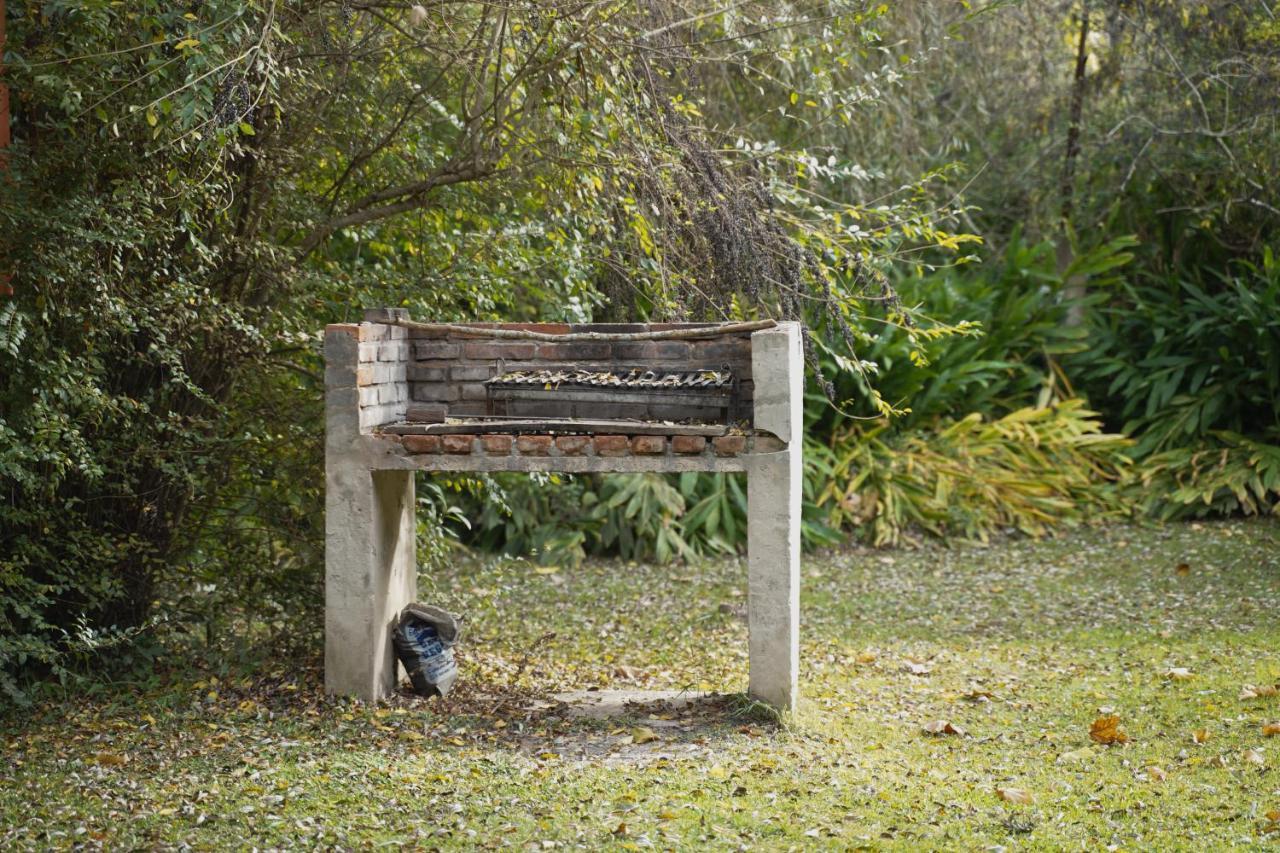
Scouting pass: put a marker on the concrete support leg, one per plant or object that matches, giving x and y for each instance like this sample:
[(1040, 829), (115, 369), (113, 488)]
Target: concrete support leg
[(773, 518), (370, 575), (773, 576)]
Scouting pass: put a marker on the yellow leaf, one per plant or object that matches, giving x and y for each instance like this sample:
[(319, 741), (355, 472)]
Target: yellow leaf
[(110, 759), (1200, 735), (642, 734), (1271, 729), (795, 98), (1106, 730), (187, 43), (1016, 795), (547, 570), (1157, 773)]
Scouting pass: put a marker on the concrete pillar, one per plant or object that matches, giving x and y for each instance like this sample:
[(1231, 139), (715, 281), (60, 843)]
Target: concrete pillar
[(370, 561), (774, 483)]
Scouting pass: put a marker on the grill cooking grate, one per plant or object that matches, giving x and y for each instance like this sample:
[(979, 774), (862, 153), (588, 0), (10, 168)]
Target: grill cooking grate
[(638, 378)]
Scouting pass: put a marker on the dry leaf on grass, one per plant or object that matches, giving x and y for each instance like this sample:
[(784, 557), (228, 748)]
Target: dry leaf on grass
[(1157, 773), (1106, 730), (1182, 569), (1271, 729), (1252, 756), (942, 727), (1274, 816), (914, 668), (110, 759), (1200, 736), (1178, 673), (1251, 691), (642, 734), (1020, 796)]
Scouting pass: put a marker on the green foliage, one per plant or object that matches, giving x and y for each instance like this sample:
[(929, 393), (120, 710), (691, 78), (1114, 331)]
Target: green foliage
[(1223, 474), (1176, 358), (1030, 470)]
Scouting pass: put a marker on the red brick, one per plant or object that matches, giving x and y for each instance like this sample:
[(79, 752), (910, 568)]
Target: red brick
[(573, 445), (649, 445), (729, 445), (460, 444), (500, 444), (422, 443), (766, 444), (534, 445), (480, 349), (688, 444), (544, 328), (611, 445)]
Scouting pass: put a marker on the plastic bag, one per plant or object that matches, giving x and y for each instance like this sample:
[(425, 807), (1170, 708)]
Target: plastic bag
[(424, 638)]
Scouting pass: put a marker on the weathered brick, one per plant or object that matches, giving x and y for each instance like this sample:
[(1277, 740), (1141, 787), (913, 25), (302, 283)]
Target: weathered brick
[(727, 349), (500, 444), (573, 445), (373, 332), (435, 392), (457, 444), (534, 445), (611, 445), (576, 351), (649, 445), (688, 444), (473, 391), (369, 396), (486, 350), (729, 445), (392, 392), (393, 351), (426, 373), (767, 444), (422, 443), (423, 350), (368, 353), (470, 372)]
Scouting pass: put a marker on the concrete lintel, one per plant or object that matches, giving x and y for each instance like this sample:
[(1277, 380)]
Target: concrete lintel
[(390, 455)]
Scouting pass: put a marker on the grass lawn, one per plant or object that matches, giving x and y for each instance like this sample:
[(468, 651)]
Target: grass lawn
[(1016, 649)]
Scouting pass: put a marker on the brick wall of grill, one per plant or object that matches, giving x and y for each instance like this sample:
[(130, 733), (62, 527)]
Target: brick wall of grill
[(452, 369)]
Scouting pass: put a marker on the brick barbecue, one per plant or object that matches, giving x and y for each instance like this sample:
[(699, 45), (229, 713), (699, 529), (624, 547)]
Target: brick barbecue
[(404, 397)]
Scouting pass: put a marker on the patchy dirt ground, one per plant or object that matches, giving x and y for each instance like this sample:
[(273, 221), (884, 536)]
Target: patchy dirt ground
[(1113, 688)]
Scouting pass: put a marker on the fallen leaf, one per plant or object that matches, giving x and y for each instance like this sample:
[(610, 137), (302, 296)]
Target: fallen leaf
[(1252, 756), (1271, 729), (1178, 673), (1200, 735), (916, 668), (1015, 795), (621, 829), (110, 759), (1075, 755), (1182, 569), (1106, 730), (942, 727), (1157, 773), (642, 734), (1274, 815), (866, 657), (1250, 691)]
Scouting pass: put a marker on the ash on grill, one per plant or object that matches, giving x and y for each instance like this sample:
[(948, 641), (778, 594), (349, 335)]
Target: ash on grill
[(705, 395)]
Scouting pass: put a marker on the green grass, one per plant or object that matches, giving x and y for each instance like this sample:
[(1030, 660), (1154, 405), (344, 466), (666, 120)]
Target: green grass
[(1022, 645)]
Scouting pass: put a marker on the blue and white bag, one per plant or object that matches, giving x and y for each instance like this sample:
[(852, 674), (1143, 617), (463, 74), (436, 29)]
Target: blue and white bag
[(424, 638)]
